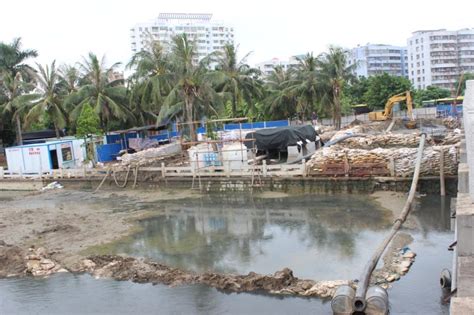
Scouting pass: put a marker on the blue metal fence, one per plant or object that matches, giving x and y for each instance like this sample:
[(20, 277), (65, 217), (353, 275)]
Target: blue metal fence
[(108, 152)]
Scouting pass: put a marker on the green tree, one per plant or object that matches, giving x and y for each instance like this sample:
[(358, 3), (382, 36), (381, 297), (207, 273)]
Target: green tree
[(461, 86), (14, 100), (191, 94), (236, 79), (150, 82), (279, 103), (88, 122), (382, 87), (333, 75), (15, 80), (50, 100), (304, 85), (430, 93), (13, 58), (107, 96)]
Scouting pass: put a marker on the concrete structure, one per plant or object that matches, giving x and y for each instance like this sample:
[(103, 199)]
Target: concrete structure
[(266, 67), (438, 57), (373, 59), (209, 35), (463, 260)]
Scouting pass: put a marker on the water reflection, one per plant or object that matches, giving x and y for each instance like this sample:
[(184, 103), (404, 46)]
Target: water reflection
[(320, 237), (317, 235)]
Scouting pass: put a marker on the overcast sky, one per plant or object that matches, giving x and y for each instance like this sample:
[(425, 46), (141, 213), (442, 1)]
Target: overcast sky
[(65, 30)]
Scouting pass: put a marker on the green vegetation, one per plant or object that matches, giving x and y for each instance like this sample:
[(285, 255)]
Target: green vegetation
[(178, 84)]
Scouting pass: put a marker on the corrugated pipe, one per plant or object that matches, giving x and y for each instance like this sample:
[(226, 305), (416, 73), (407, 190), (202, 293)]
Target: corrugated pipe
[(364, 300)]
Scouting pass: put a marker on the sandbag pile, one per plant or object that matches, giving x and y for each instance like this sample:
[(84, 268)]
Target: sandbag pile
[(451, 122), (400, 159), (388, 140)]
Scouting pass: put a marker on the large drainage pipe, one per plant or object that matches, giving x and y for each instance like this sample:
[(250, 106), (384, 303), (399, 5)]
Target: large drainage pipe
[(361, 299)]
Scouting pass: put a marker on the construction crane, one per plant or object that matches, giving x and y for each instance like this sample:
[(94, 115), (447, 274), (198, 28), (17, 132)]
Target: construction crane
[(388, 111)]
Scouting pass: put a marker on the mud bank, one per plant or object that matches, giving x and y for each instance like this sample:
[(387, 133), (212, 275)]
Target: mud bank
[(146, 271)]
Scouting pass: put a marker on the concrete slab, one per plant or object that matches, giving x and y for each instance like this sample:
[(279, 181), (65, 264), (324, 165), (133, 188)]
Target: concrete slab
[(465, 225), (468, 114), (465, 283), (463, 178), (462, 306)]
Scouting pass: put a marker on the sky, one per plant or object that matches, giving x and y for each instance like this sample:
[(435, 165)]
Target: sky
[(65, 30)]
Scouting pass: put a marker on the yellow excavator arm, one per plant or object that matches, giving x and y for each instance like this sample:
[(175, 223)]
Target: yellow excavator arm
[(387, 113), (405, 96)]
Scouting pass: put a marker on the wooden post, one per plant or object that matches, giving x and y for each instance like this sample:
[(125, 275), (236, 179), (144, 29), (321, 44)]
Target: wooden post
[(61, 174), (163, 170), (391, 167), (228, 170), (303, 168), (84, 171), (441, 173), (346, 165), (264, 168)]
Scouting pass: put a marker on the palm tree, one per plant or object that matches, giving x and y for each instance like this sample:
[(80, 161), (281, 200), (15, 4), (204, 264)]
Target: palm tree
[(12, 59), (107, 96), (150, 82), (70, 77), (15, 79), (191, 93), (236, 79), (333, 73), (49, 100), (304, 84), (280, 103), (14, 99)]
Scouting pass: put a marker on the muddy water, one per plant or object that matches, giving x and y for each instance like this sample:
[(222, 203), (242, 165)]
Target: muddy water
[(319, 237)]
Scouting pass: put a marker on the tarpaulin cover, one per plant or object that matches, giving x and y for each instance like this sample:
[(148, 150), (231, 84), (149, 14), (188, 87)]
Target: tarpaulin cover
[(280, 138)]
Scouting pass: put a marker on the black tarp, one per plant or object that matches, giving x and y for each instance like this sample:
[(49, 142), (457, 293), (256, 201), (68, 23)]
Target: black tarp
[(280, 138)]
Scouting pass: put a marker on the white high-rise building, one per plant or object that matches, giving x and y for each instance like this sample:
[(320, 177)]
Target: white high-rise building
[(438, 57), (209, 35), (376, 59), (266, 67)]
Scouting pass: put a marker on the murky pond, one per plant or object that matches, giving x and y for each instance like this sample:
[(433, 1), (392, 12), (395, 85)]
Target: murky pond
[(318, 236)]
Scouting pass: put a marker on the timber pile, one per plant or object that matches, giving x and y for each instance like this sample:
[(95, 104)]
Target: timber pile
[(398, 159)]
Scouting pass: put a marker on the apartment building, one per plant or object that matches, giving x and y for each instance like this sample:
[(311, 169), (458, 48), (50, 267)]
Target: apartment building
[(266, 67), (208, 35), (374, 59), (439, 57)]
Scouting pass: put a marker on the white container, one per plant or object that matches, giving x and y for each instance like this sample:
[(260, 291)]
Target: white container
[(234, 156), (199, 156), (42, 157)]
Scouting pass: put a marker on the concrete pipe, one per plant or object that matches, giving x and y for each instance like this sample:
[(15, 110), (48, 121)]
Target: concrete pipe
[(377, 301), (445, 279), (341, 303)]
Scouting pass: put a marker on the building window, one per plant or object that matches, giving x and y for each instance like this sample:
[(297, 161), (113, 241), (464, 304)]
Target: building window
[(416, 41)]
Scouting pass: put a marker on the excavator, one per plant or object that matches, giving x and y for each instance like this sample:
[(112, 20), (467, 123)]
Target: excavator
[(387, 113)]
